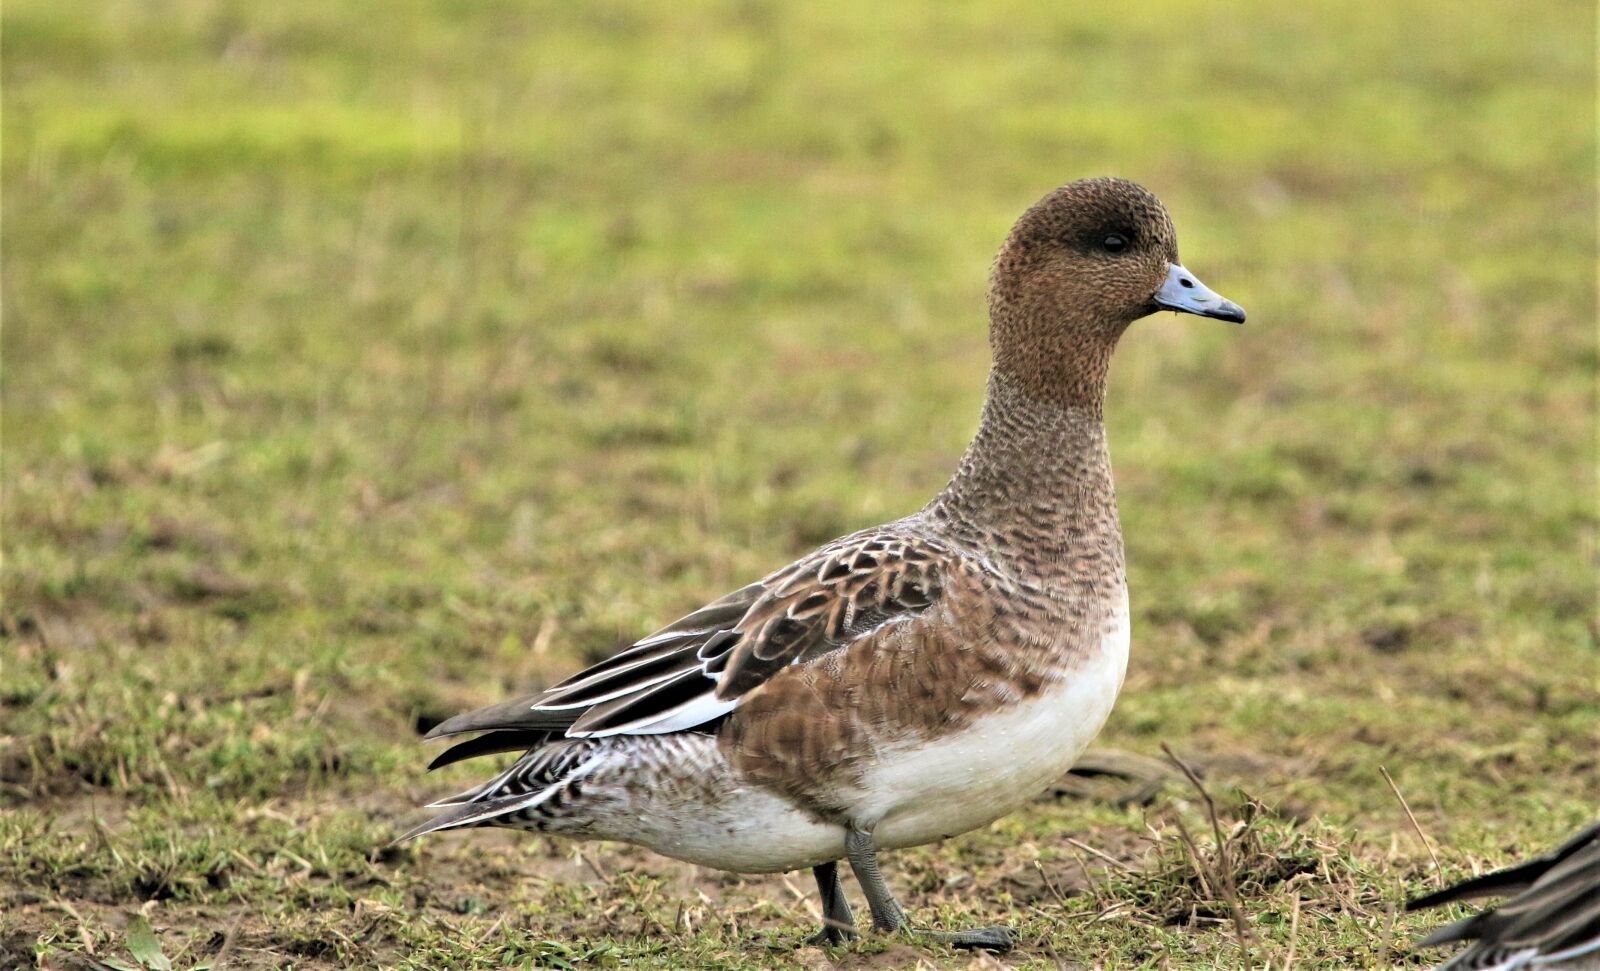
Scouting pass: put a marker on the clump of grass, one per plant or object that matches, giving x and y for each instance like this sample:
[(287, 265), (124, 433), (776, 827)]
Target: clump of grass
[(1229, 864)]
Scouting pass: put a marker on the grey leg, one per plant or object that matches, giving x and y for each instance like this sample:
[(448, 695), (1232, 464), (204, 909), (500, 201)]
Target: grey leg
[(838, 923), (888, 917)]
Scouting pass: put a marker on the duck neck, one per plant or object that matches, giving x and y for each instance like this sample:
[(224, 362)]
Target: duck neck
[(1048, 349), (1035, 484)]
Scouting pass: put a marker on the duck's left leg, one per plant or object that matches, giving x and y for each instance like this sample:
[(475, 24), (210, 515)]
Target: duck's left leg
[(838, 923), (887, 915)]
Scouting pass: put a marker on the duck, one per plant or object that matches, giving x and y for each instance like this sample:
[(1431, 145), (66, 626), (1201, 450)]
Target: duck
[(908, 682), (1552, 920)]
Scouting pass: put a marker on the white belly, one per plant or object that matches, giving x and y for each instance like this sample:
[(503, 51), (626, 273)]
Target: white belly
[(932, 790)]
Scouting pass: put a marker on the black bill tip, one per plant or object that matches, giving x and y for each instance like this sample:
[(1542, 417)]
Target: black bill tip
[(1228, 311)]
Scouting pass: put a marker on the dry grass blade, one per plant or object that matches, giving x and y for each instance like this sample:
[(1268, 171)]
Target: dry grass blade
[(1119, 864), (1388, 936), (1222, 872), (229, 938), (1438, 873), (594, 867), (1294, 933), (1050, 884)]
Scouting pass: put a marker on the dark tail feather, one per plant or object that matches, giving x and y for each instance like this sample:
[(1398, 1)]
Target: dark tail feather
[(1509, 880), (1553, 915), (493, 743), (1461, 930), (1497, 883), (508, 715)]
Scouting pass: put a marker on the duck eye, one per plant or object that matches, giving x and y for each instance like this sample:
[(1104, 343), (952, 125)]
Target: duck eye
[(1114, 243)]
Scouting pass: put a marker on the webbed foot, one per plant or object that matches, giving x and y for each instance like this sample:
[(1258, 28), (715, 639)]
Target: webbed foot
[(998, 939), (832, 935)]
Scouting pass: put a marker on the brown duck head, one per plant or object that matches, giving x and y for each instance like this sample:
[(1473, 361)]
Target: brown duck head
[(1081, 265)]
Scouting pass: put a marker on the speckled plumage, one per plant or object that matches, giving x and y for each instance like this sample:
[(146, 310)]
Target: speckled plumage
[(907, 682)]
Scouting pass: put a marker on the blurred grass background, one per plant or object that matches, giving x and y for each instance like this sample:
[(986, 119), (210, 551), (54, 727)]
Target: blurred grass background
[(364, 362)]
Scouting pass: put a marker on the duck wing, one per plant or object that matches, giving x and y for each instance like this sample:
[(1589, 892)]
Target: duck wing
[(694, 671)]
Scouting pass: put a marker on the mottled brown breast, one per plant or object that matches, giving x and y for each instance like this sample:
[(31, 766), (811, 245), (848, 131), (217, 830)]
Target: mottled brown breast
[(812, 730)]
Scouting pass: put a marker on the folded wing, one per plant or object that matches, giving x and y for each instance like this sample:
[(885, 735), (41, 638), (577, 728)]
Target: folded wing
[(693, 672)]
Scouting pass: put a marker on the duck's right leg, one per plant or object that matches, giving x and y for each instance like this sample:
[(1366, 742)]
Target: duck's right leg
[(838, 923), (887, 915)]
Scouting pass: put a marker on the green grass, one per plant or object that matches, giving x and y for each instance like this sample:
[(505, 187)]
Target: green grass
[(366, 362)]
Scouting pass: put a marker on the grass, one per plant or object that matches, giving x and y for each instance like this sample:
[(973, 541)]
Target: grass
[(367, 362)]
